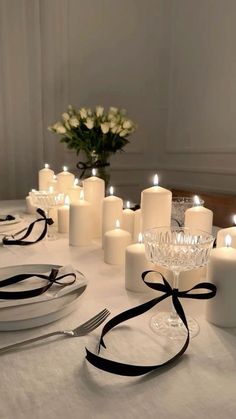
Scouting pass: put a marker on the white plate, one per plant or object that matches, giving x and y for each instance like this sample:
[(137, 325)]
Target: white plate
[(41, 310)]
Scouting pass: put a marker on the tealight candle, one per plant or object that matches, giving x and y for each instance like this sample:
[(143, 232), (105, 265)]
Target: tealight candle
[(112, 207), (137, 224), (135, 264), (65, 180), (115, 243), (45, 175), (155, 206), (74, 191), (223, 233), (94, 192), (80, 233), (199, 217), (221, 271), (128, 219), (63, 216)]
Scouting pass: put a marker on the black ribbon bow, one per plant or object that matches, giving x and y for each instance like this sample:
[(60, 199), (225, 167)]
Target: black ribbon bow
[(83, 166), (51, 279), (7, 218), (21, 241), (136, 370)]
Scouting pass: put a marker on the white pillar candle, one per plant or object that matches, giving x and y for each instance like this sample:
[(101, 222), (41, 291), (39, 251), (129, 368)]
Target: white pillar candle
[(199, 217), (63, 217), (135, 264), (155, 206), (220, 239), (45, 175), (65, 180), (94, 192), (53, 184), (221, 271), (112, 208), (30, 207), (115, 243), (137, 224), (80, 233), (127, 222), (74, 191)]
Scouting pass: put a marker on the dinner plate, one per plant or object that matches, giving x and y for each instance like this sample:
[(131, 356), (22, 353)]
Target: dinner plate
[(27, 313)]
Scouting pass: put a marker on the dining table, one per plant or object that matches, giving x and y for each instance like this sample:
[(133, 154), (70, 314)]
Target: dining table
[(52, 378)]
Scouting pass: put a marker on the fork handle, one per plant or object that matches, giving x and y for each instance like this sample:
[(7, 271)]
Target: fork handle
[(27, 341)]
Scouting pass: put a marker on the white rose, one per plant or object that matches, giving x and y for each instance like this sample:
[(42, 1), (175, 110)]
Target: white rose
[(127, 124), (105, 127), (123, 133), (65, 116), (83, 113), (113, 124), (74, 122), (113, 110), (89, 123), (99, 111), (60, 129)]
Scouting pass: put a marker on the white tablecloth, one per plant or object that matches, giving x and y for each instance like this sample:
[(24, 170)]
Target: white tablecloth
[(53, 379)]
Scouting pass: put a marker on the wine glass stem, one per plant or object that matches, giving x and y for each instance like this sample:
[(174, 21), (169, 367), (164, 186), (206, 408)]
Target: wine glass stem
[(174, 318)]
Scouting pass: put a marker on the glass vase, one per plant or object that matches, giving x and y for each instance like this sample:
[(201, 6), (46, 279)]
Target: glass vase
[(97, 161)]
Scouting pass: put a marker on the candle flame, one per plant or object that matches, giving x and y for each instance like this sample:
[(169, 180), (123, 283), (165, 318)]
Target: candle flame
[(94, 172), (117, 224), (76, 181), (228, 240), (46, 166), (196, 200), (155, 180), (234, 219), (54, 177), (33, 190), (111, 190), (128, 204), (81, 195), (51, 189), (67, 200), (65, 168), (140, 238)]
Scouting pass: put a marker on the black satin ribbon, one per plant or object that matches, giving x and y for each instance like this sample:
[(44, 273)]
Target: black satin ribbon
[(7, 218), (21, 241), (83, 166), (51, 279), (120, 368)]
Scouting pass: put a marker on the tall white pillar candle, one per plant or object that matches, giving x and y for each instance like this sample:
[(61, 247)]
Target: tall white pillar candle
[(63, 217), (65, 180), (80, 233), (52, 184), (115, 243), (156, 206), (74, 191), (199, 217), (135, 264), (221, 271), (220, 239), (94, 192), (127, 221), (137, 224), (112, 208), (45, 175)]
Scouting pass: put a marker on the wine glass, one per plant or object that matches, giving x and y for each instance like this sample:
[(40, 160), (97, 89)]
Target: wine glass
[(180, 204), (177, 249), (46, 200)]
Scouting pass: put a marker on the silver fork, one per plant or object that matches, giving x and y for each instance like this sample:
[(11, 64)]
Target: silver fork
[(80, 330)]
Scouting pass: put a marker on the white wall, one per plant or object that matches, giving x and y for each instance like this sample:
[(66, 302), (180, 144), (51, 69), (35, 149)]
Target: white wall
[(57, 52), (199, 150)]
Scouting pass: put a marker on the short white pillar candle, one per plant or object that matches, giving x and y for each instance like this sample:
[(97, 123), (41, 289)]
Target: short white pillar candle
[(135, 264), (65, 180), (94, 192), (30, 207), (63, 216), (199, 217), (45, 175), (221, 271), (137, 224), (115, 243), (156, 206), (127, 222), (220, 239), (53, 184), (112, 208), (80, 233), (74, 191)]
